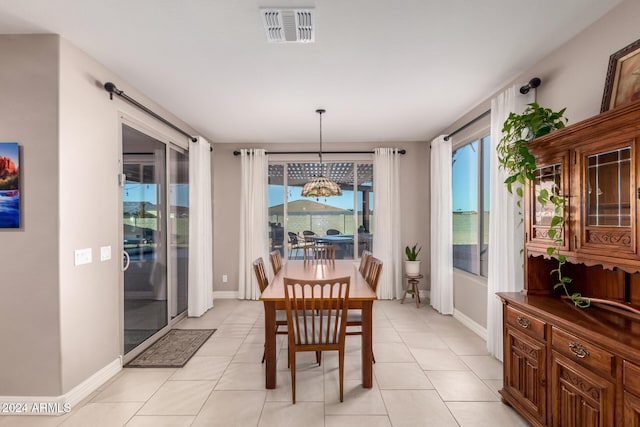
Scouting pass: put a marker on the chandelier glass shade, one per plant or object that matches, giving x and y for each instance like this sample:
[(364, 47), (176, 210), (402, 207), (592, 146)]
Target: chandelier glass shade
[(321, 186)]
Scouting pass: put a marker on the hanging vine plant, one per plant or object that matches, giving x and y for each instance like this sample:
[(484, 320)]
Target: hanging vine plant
[(516, 159)]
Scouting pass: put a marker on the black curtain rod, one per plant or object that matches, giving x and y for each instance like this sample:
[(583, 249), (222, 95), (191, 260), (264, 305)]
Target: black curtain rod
[(111, 88), (237, 153), (463, 127)]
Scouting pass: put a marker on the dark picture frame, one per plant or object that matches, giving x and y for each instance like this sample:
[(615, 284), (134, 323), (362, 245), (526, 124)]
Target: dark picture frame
[(622, 84)]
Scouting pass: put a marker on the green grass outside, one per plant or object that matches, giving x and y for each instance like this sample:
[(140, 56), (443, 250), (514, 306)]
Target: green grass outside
[(465, 228)]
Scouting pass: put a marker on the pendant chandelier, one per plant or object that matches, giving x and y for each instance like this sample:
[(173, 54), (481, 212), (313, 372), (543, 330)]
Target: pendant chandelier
[(321, 186)]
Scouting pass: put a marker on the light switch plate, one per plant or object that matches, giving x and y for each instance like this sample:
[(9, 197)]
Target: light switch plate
[(105, 253), (83, 256)]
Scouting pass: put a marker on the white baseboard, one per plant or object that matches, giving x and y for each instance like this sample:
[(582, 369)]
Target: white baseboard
[(471, 324), (58, 405), (225, 295), (91, 384)]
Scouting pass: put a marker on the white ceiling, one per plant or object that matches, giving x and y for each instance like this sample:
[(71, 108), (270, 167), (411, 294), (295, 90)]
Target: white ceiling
[(385, 70)]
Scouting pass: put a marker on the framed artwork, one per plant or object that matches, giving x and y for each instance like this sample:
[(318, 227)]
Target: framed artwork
[(622, 85), (9, 185)]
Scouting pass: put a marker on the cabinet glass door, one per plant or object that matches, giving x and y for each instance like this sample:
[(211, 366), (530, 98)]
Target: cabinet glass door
[(608, 199), (551, 177), (546, 178), (608, 193)]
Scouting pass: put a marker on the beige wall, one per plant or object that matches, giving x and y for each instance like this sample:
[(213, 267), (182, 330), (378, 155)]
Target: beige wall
[(90, 208), (573, 77), (61, 323), (29, 288), (414, 177), (89, 153)]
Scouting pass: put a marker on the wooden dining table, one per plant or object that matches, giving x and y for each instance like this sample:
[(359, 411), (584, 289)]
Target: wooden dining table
[(361, 296)]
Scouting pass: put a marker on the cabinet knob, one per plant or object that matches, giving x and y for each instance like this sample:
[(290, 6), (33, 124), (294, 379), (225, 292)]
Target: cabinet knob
[(578, 350), (523, 321)]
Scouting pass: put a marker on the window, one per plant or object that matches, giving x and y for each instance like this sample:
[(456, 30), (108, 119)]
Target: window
[(296, 221), (470, 200)]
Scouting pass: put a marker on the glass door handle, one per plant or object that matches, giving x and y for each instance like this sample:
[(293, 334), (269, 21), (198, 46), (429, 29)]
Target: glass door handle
[(127, 260)]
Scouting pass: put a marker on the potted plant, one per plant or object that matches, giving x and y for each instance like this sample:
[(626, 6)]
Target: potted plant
[(412, 265), (514, 157)]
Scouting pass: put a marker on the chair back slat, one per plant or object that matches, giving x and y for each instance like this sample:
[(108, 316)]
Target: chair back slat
[(276, 261), (373, 273), (364, 262), (316, 311), (320, 253), (261, 275)]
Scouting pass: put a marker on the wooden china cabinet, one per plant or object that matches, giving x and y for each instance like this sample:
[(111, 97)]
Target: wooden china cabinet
[(563, 365)]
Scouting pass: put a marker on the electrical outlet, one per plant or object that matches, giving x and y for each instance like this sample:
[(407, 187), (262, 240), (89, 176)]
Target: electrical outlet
[(225, 278), (82, 256), (105, 253)]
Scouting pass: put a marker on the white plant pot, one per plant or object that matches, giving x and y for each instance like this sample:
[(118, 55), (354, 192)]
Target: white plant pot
[(412, 268)]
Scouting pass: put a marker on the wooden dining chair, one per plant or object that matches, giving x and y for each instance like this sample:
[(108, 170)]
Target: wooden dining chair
[(276, 261), (316, 320), (263, 282), (373, 272), (261, 274), (320, 253), (364, 262), (354, 317)]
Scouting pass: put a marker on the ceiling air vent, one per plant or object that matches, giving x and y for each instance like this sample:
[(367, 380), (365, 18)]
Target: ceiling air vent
[(289, 25)]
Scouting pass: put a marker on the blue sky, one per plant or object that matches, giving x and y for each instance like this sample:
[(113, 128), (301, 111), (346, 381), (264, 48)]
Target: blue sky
[(464, 178), (10, 150), (276, 197)]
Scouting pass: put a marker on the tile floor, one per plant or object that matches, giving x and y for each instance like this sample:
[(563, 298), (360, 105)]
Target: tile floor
[(430, 371)]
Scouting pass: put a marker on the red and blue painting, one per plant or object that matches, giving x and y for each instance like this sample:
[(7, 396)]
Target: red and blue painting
[(9, 185)]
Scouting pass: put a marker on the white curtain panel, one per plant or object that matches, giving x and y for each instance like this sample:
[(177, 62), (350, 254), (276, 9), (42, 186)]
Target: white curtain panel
[(254, 241), (200, 229), (505, 223), (387, 220), (441, 227)]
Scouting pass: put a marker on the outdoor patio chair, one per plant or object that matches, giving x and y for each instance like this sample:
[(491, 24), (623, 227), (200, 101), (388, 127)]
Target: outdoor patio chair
[(307, 237), (294, 243)]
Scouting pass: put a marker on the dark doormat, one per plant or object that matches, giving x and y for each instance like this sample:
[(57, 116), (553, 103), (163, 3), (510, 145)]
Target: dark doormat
[(172, 350)]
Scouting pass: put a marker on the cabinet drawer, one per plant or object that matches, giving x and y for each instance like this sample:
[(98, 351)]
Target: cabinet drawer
[(582, 351), (525, 322), (631, 377)]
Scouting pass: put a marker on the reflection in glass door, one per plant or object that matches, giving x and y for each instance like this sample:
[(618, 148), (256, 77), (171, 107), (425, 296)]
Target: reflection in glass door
[(178, 229), (144, 213)]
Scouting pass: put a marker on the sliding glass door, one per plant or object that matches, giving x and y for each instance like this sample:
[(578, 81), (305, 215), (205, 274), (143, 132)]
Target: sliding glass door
[(155, 230), (343, 221), (178, 228)]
